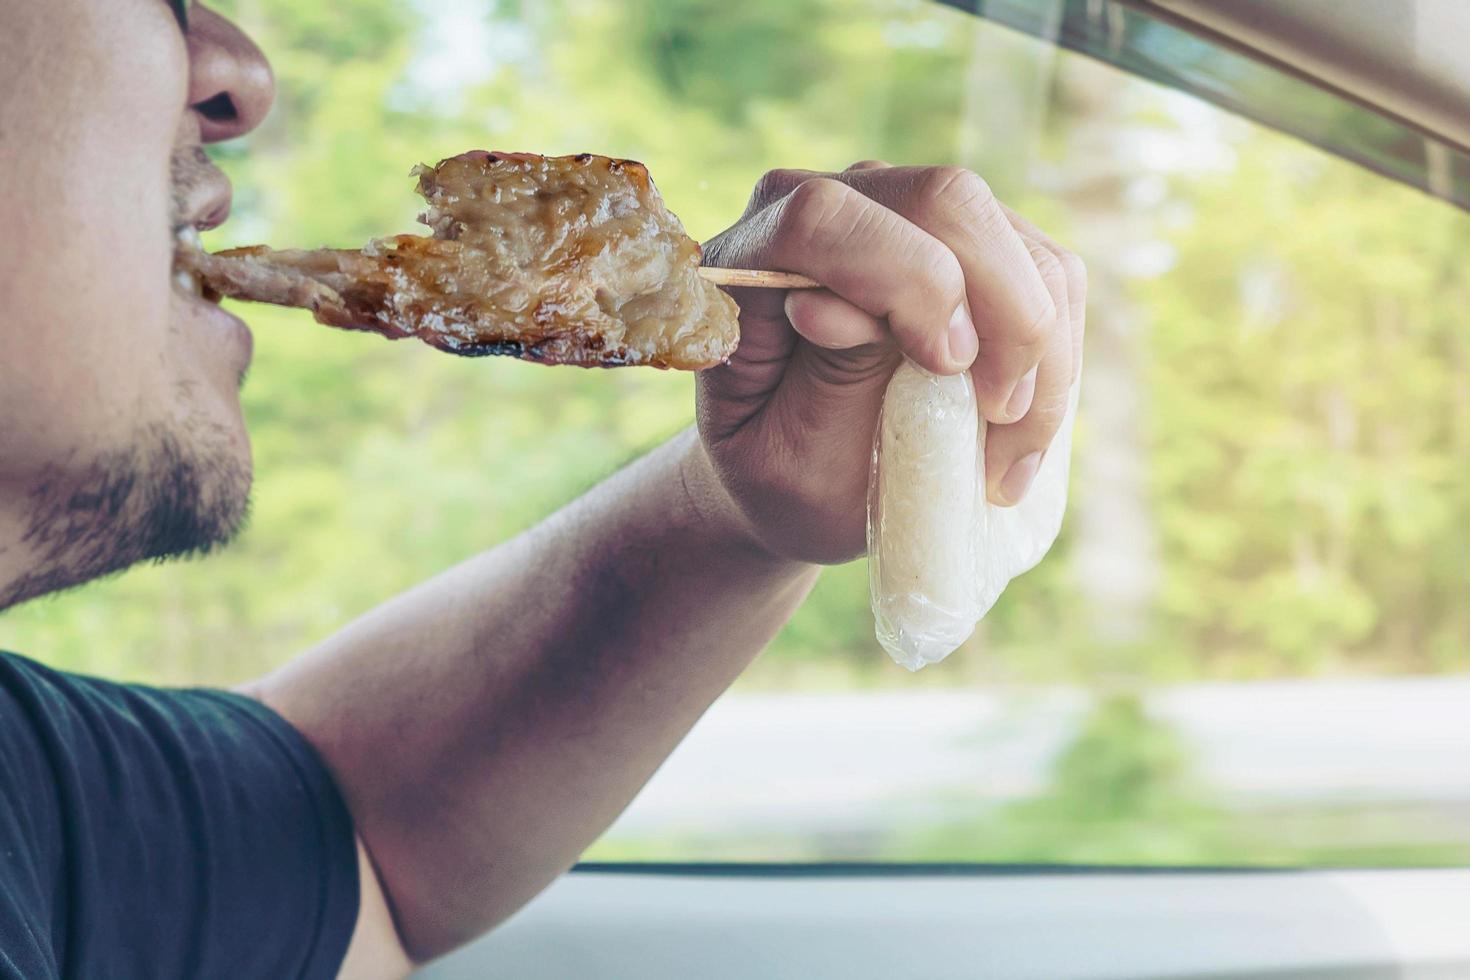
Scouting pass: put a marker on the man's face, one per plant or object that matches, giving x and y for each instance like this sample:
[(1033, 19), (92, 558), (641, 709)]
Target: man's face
[(121, 436)]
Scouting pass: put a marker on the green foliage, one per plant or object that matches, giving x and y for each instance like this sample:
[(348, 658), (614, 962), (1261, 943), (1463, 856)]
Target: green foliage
[(1306, 366)]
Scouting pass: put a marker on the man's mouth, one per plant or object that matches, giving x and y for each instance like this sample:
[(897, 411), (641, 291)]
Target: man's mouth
[(203, 301), (186, 280), (201, 201)]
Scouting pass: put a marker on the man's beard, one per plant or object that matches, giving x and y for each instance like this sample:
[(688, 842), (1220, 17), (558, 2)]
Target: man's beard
[(176, 491), (154, 501)]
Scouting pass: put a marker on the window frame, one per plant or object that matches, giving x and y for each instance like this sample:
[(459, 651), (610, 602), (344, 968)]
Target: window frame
[(1241, 81)]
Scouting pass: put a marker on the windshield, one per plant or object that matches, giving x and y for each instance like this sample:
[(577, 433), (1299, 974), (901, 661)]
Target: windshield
[(1250, 645)]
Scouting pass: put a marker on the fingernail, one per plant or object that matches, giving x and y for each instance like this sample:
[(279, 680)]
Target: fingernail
[(1020, 401), (963, 344), (1017, 481)]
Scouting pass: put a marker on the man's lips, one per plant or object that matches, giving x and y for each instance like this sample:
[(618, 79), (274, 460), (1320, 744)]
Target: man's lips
[(186, 239), (202, 197), (203, 302), (205, 196)]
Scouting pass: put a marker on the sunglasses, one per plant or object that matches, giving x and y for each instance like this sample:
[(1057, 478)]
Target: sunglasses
[(181, 11)]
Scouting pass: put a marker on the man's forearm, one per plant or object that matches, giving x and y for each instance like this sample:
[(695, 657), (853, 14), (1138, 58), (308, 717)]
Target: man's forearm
[(488, 725)]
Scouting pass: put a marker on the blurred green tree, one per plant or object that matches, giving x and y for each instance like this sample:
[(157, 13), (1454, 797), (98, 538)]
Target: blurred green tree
[(1295, 365)]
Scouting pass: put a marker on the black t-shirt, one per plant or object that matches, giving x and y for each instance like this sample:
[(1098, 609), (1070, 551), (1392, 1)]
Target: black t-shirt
[(164, 833)]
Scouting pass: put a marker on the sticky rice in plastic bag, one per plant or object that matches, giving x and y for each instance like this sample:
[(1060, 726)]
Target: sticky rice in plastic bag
[(939, 553)]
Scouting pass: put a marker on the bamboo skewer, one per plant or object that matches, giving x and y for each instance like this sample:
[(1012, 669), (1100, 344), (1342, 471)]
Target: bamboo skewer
[(757, 277)]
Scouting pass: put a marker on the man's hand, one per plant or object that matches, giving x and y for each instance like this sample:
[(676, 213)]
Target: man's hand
[(922, 261)]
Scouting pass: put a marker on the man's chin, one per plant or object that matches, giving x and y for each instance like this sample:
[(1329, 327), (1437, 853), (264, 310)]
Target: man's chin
[(198, 499), (162, 499)]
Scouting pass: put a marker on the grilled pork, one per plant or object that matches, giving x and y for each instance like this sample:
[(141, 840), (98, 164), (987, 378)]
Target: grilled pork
[(562, 260)]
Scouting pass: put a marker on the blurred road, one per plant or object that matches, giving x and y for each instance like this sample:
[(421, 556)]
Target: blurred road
[(856, 762)]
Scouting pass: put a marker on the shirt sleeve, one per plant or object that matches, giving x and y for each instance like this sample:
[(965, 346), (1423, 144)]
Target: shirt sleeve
[(179, 833)]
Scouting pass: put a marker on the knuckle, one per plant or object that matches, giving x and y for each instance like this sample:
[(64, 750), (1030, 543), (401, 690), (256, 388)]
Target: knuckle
[(945, 189), (870, 165), (937, 272), (815, 212), (1076, 271), (774, 184), (1036, 326), (821, 192), (1053, 271)]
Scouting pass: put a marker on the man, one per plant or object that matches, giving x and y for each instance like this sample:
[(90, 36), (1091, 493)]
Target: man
[(422, 774)]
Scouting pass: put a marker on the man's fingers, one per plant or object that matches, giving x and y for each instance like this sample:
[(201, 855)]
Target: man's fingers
[(876, 260), (910, 242), (1013, 452), (1076, 273), (829, 321), (776, 184), (1011, 305)]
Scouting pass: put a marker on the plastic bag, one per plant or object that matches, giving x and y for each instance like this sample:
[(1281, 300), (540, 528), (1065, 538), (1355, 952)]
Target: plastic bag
[(939, 554)]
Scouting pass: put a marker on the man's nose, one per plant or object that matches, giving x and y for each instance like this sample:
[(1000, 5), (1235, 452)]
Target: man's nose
[(231, 87)]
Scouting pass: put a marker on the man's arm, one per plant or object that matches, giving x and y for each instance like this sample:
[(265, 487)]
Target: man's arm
[(488, 725)]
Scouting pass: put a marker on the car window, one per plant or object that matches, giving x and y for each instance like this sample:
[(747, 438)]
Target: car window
[(1250, 644)]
